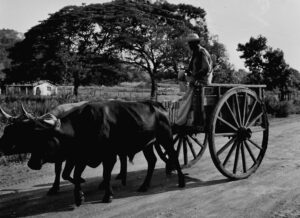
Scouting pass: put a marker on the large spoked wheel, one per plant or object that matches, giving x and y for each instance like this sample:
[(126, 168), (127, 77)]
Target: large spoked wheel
[(238, 133), (189, 147)]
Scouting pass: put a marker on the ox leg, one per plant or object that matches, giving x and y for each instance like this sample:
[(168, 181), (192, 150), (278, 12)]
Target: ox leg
[(174, 161), (151, 159), (69, 166), (55, 187), (78, 194), (123, 172), (165, 138), (108, 165)]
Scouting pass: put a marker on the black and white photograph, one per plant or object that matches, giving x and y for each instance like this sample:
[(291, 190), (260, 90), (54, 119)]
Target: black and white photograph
[(150, 108)]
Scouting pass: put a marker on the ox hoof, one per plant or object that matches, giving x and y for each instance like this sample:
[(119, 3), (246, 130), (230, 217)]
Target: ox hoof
[(53, 191), (181, 183), (107, 199), (79, 198)]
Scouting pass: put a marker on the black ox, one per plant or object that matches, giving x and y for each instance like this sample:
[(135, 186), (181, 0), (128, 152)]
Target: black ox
[(96, 133), (12, 142)]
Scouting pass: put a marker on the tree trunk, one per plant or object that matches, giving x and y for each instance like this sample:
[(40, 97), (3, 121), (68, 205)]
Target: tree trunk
[(175, 68), (76, 83), (282, 94), (153, 88)]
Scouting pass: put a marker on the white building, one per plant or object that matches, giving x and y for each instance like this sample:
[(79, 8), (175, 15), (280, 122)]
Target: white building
[(42, 87)]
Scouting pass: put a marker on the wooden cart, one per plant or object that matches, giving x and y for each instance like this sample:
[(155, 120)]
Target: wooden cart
[(234, 125)]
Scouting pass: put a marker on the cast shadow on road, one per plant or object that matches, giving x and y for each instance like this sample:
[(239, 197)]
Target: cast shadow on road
[(37, 203)]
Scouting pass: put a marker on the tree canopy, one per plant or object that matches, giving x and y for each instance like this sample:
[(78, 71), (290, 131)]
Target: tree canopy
[(8, 38), (267, 65), (81, 44)]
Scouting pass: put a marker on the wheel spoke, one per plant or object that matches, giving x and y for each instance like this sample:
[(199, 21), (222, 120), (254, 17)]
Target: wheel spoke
[(191, 147), (256, 145), (243, 158), (226, 134), (250, 115), (250, 152), (236, 160), (245, 108), (226, 146), (229, 153), (238, 109), (185, 157), (232, 114), (179, 146), (197, 141), (257, 129), (255, 119), (175, 139), (227, 123)]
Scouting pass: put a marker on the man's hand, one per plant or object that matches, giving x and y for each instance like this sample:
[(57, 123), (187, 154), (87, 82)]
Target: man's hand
[(200, 82)]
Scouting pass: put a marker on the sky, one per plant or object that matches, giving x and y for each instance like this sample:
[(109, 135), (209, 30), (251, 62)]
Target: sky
[(234, 21)]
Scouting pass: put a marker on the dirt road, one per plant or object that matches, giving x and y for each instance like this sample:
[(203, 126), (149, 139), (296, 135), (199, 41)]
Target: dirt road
[(273, 191)]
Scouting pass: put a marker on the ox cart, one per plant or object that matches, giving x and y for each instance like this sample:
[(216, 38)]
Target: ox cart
[(233, 124)]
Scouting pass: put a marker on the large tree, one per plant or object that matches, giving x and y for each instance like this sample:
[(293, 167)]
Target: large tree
[(79, 43), (151, 36)]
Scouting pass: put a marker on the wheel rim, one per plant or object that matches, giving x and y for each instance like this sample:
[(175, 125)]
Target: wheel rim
[(189, 148), (238, 135)]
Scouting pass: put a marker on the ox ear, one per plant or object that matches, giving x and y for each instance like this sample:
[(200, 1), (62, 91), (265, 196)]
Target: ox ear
[(25, 113), (6, 115)]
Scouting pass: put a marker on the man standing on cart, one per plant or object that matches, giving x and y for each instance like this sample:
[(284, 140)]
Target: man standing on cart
[(199, 73)]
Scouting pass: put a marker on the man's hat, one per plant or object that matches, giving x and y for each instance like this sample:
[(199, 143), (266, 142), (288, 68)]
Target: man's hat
[(193, 37)]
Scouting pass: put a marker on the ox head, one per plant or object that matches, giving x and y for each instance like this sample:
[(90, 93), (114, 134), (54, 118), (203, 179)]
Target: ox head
[(29, 134), (10, 138)]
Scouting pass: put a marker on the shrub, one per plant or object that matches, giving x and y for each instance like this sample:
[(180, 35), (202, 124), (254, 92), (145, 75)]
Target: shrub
[(280, 108), (271, 103), (284, 108)]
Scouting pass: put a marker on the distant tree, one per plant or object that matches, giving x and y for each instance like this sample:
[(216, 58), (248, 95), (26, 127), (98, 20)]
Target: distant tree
[(223, 71), (8, 38), (253, 52), (276, 71), (294, 78), (267, 65), (241, 76)]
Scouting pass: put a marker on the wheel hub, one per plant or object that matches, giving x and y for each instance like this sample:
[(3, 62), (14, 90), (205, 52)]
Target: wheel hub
[(244, 133)]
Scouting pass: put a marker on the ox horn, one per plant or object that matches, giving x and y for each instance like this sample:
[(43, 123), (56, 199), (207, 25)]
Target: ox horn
[(6, 115), (25, 113)]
